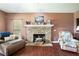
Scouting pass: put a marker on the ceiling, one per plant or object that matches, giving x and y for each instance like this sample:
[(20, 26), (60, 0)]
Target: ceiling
[(40, 7)]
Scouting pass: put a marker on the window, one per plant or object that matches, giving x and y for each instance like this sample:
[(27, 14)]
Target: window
[(17, 26)]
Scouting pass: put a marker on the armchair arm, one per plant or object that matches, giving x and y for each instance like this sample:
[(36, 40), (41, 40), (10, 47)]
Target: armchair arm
[(61, 41), (77, 43)]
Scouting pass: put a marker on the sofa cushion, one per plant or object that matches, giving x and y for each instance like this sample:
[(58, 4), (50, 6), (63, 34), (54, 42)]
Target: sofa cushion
[(10, 47)]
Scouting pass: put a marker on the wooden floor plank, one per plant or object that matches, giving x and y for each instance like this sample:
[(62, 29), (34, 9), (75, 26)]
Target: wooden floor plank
[(44, 51)]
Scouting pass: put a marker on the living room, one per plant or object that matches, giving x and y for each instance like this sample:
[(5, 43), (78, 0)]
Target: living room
[(39, 27)]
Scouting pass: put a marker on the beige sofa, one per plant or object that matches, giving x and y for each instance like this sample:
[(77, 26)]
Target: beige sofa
[(9, 47)]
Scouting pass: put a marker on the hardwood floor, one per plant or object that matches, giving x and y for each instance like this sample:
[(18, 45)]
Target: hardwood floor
[(44, 51)]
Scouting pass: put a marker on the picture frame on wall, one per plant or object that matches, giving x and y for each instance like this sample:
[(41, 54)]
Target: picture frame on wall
[(39, 20)]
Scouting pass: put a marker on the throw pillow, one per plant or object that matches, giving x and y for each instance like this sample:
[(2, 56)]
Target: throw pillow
[(14, 36), (7, 39)]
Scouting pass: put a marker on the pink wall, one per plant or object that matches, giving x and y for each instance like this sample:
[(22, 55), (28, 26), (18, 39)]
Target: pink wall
[(62, 21), (2, 21)]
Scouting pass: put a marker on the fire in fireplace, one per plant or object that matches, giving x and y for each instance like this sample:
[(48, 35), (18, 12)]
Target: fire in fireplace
[(38, 37)]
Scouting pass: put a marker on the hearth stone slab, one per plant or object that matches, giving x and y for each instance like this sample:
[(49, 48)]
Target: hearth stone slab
[(39, 44)]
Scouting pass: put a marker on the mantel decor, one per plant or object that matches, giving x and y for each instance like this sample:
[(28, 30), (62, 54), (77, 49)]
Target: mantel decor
[(27, 22)]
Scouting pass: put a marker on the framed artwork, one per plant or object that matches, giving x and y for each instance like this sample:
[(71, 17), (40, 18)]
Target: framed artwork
[(39, 20)]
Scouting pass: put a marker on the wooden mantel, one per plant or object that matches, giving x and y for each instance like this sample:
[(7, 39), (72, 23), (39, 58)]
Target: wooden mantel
[(48, 25)]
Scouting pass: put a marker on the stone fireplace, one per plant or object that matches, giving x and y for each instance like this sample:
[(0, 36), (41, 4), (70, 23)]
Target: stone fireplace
[(38, 31)]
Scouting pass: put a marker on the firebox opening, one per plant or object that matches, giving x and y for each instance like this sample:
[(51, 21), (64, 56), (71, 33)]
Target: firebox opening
[(38, 36)]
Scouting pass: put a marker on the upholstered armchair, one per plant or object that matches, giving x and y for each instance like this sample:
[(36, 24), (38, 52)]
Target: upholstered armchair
[(67, 42)]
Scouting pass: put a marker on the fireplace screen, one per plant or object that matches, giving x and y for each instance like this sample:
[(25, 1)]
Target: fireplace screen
[(38, 36)]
